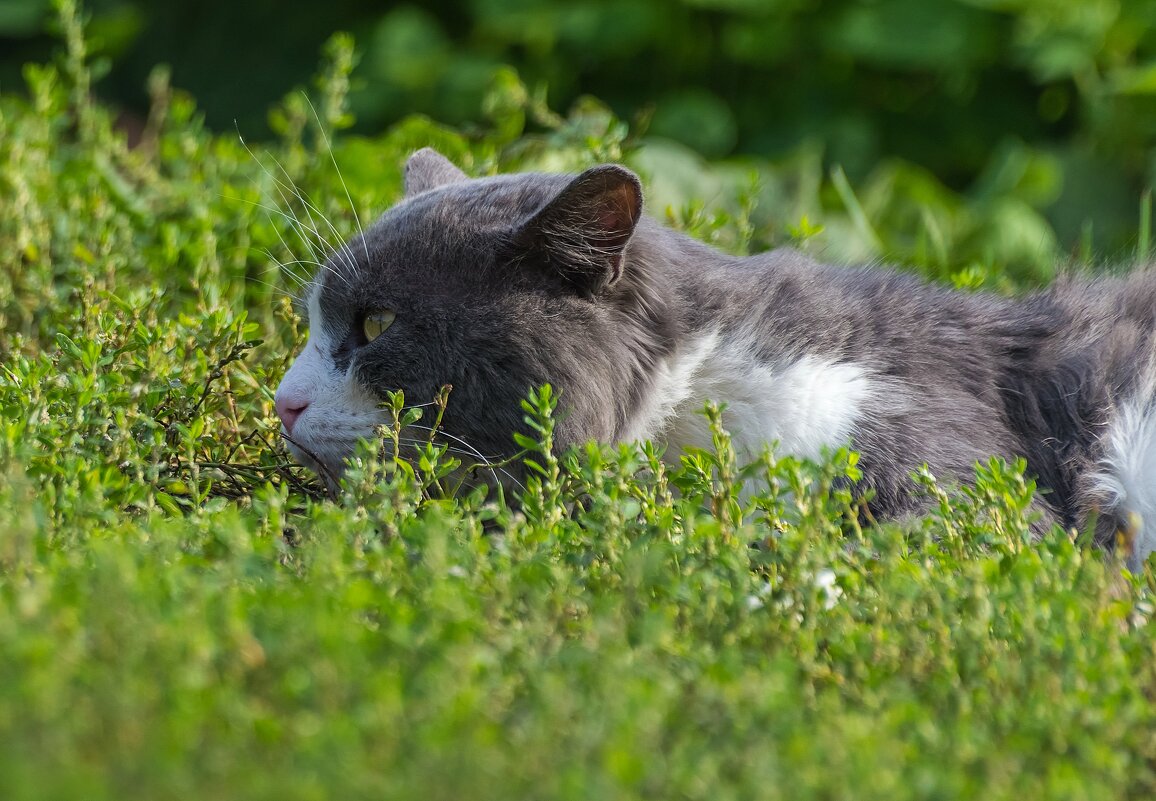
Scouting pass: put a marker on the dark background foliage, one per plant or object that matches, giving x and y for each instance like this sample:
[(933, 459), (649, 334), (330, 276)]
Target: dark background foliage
[(1060, 90)]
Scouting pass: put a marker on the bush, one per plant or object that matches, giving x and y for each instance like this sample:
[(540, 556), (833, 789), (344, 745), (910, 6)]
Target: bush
[(183, 614), (1046, 100)]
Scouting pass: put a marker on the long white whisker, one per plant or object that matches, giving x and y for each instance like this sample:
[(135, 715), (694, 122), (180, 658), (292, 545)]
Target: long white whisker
[(352, 208), (482, 462), (295, 223), (321, 266), (285, 268), (303, 282), (341, 252), (269, 254), (470, 449), (449, 436), (311, 207), (294, 220), (280, 186), (276, 289)]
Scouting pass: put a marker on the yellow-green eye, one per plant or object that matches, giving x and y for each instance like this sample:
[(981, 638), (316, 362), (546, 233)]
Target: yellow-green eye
[(376, 323)]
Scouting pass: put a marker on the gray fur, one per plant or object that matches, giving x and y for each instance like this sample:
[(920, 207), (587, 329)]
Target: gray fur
[(504, 283)]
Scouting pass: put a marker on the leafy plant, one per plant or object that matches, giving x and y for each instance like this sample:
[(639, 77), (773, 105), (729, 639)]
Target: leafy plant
[(184, 613)]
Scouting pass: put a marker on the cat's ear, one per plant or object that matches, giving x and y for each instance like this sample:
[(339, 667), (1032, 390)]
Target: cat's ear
[(583, 232), (428, 169)]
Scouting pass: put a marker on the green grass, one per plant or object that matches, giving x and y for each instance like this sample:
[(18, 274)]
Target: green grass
[(182, 615)]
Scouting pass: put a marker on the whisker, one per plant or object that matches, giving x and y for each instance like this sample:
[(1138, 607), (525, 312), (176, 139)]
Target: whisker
[(331, 480), (300, 232), (277, 290), (472, 451), (311, 207), (300, 226), (280, 186), (285, 264), (481, 463), (352, 208), (300, 282), (284, 268), (338, 253), (309, 281)]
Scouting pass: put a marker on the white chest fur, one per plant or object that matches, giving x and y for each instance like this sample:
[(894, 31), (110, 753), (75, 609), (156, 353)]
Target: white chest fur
[(804, 404)]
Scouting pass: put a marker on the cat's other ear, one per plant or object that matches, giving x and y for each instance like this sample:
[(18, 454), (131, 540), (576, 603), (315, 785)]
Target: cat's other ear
[(583, 232), (428, 169)]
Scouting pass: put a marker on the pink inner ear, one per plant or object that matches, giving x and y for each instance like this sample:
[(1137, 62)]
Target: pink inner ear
[(609, 220), (615, 215)]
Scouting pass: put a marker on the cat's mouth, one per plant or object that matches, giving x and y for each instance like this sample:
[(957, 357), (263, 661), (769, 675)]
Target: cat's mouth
[(329, 470), (329, 460)]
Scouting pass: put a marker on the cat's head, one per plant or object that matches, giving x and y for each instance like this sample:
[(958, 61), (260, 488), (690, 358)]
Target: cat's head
[(492, 286)]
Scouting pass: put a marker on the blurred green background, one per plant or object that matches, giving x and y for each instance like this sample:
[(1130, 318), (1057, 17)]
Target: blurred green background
[(1051, 100)]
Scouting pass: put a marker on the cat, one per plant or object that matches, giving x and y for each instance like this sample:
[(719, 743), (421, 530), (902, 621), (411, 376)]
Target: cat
[(500, 284)]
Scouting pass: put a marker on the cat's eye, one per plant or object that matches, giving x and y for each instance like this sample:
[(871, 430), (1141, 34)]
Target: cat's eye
[(375, 324)]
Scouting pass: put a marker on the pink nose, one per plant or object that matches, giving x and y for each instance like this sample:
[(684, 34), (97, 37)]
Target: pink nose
[(289, 409)]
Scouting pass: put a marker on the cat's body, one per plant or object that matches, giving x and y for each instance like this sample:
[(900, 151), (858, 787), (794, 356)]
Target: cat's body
[(497, 285)]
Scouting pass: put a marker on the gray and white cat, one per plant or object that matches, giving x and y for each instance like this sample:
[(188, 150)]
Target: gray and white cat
[(496, 285)]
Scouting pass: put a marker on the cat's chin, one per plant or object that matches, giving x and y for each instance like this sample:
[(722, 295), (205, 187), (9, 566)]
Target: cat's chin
[(327, 461)]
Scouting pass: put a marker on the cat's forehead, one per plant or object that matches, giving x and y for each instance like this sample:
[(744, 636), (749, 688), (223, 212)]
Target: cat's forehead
[(431, 238), (481, 202), (458, 214)]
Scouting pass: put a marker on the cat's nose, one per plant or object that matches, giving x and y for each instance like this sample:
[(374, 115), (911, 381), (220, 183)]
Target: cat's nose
[(289, 408)]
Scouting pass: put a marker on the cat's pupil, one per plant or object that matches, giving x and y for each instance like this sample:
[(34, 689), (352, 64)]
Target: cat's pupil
[(374, 324)]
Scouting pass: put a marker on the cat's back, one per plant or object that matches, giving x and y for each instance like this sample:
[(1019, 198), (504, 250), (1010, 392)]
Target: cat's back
[(1099, 351), (1111, 319), (898, 323), (1066, 376)]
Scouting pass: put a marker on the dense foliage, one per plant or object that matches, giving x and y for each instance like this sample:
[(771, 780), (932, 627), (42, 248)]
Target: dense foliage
[(967, 102), (182, 614)]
